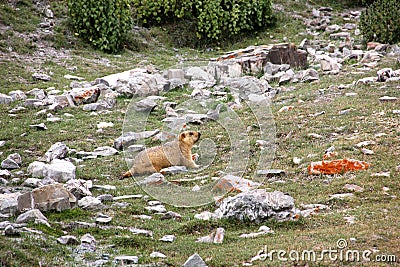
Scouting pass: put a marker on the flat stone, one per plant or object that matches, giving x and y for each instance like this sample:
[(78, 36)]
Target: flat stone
[(232, 183), (353, 188), (105, 151), (156, 254), (168, 238), (388, 99), (41, 76), (157, 208), (90, 203), (342, 196), (173, 170), (68, 240), (40, 126), (138, 231)]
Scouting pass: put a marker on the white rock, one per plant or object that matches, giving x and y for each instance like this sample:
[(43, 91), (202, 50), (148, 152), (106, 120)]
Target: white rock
[(105, 151), (60, 170), (57, 151), (168, 238), (156, 254), (90, 203)]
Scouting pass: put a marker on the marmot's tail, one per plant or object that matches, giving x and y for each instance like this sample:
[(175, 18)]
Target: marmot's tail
[(127, 174)]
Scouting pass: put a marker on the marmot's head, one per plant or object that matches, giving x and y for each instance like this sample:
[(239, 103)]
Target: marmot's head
[(189, 137)]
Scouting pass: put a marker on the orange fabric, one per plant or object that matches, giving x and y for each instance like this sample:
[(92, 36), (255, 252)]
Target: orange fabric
[(337, 166)]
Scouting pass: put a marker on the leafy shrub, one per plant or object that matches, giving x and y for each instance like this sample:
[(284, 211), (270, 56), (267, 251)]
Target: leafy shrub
[(103, 23), (381, 21), (213, 19)]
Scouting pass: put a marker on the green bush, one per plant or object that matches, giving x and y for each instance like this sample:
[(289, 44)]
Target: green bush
[(103, 23), (213, 19), (380, 22)]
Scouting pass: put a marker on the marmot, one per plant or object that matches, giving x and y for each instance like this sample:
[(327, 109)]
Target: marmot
[(174, 153)]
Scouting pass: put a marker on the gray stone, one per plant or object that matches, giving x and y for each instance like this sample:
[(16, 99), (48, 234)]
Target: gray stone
[(47, 197), (175, 74), (41, 76), (5, 99), (88, 239), (157, 254), (39, 94), (247, 85), (126, 260), (173, 170), (68, 240), (271, 172), (40, 126), (5, 174), (145, 105), (232, 183), (90, 203), (60, 170), (32, 182), (105, 151), (57, 151), (9, 203), (341, 196), (37, 169), (157, 208), (103, 219), (168, 238), (33, 215), (13, 161), (353, 188), (79, 188), (129, 138), (138, 231), (11, 231), (17, 95), (197, 73), (135, 82), (257, 206), (195, 261)]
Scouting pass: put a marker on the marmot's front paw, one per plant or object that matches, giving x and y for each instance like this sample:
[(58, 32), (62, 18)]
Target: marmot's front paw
[(196, 166)]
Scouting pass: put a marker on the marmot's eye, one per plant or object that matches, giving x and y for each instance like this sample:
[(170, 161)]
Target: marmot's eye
[(191, 133)]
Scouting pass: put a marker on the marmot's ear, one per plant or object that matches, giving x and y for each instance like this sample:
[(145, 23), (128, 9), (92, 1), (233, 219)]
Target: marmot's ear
[(182, 136)]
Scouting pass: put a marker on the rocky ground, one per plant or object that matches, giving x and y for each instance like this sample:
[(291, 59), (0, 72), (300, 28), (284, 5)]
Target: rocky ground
[(268, 113)]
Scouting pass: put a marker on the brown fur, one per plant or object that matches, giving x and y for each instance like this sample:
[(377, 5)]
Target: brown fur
[(175, 153)]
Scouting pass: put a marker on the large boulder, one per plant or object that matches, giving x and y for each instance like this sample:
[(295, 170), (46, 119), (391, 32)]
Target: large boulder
[(258, 206), (48, 197)]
